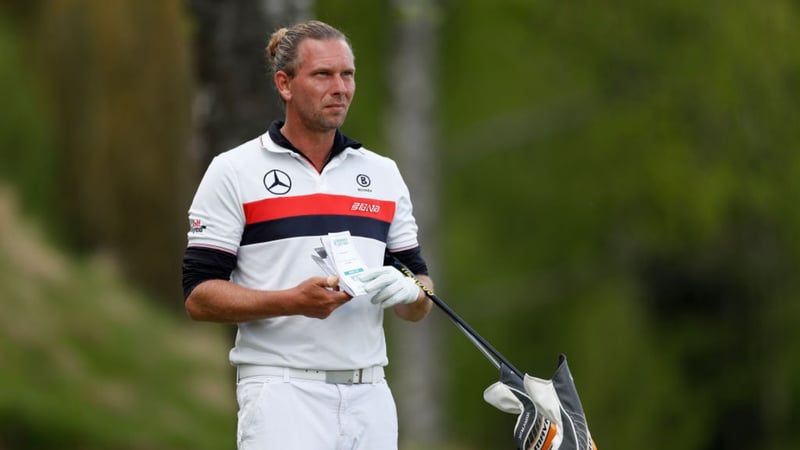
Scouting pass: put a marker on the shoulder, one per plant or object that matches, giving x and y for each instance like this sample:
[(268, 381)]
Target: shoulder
[(373, 158), (249, 155), (375, 173), (241, 153)]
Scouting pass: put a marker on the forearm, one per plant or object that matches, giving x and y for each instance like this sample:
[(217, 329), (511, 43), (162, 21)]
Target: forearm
[(419, 309), (225, 302)]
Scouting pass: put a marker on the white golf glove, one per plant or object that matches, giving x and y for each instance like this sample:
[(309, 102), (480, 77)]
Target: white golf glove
[(389, 286)]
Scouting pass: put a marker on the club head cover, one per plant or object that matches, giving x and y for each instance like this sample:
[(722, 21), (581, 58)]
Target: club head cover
[(550, 415), (572, 424), (533, 430), (501, 397)]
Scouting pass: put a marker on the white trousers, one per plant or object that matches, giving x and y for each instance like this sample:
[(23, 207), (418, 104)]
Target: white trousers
[(277, 413)]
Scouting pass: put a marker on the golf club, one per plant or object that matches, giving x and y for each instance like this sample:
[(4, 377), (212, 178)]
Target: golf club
[(496, 358), (551, 416)]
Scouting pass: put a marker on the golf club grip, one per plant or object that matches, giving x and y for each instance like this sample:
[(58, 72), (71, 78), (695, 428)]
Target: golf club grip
[(490, 352)]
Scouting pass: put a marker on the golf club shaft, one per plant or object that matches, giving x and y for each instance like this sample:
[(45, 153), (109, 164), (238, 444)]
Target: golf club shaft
[(485, 348)]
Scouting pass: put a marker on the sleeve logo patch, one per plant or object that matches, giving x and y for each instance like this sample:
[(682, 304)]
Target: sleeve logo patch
[(196, 226)]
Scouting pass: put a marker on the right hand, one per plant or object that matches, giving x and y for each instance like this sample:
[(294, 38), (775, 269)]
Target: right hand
[(318, 297)]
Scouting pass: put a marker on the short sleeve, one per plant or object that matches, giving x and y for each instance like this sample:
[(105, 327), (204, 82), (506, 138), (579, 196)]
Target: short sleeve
[(216, 217), (403, 229)]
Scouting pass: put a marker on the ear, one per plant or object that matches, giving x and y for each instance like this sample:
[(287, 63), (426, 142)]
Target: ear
[(282, 82)]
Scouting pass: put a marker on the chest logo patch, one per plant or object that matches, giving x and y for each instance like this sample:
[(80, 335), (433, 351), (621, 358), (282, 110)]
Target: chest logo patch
[(363, 180), (277, 182)]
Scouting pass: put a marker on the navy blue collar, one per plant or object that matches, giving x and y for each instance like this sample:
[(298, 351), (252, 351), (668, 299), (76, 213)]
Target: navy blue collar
[(340, 141)]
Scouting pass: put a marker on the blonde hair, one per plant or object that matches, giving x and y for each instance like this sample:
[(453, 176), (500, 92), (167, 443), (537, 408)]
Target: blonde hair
[(283, 44)]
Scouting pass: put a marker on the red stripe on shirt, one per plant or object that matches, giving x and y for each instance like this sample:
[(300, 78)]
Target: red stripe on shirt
[(317, 204)]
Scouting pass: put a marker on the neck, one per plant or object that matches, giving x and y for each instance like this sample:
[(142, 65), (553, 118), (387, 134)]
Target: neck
[(315, 145)]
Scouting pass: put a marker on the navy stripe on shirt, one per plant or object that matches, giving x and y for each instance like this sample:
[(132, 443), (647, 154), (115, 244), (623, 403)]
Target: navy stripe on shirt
[(314, 225)]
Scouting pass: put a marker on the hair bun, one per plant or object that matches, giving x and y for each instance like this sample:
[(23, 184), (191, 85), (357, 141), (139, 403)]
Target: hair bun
[(274, 40)]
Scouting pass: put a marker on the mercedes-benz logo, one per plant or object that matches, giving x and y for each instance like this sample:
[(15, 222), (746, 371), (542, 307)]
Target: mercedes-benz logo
[(363, 180), (277, 182)]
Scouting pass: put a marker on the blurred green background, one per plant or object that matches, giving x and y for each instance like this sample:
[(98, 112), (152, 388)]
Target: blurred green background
[(616, 181)]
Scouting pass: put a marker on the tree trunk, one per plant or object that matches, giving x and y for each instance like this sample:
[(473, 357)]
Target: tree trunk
[(411, 136), (118, 99), (235, 98)]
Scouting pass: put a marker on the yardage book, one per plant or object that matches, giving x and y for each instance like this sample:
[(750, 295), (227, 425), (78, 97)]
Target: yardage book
[(339, 257)]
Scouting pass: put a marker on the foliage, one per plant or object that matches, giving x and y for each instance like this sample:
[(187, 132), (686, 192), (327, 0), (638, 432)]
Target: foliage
[(29, 159), (633, 201), (118, 91), (88, 363)]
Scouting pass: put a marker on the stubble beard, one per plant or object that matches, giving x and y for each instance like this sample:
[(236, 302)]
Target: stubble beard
[(322, 122), (317, 118)]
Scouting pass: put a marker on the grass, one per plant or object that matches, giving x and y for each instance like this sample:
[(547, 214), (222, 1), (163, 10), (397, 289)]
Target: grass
[(90, 363)]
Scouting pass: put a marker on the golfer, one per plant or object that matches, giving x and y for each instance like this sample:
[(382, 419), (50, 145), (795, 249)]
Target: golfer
[(310, 358)]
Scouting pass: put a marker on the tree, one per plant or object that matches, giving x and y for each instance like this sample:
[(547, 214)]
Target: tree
[(235, 99), (411, 131), (119, 101), (628, 175)]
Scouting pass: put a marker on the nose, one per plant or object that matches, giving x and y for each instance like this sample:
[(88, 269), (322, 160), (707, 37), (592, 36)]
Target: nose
[(340, 85)]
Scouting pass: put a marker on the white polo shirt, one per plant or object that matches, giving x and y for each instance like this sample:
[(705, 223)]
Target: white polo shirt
[(268, 205)]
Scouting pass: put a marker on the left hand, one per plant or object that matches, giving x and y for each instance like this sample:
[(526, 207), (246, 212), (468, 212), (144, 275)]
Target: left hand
[(389, 286)]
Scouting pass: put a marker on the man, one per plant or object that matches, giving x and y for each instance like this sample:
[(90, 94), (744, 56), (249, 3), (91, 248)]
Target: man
[(309, 357)]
